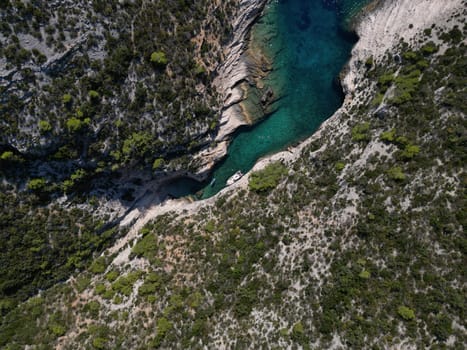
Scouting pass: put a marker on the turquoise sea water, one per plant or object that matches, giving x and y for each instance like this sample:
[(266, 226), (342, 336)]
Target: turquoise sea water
[(308, 47), (306, 40)]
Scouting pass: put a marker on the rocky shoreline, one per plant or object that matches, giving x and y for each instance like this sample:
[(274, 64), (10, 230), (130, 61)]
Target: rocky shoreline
[(377, 20), (242, 68), (379, 26)]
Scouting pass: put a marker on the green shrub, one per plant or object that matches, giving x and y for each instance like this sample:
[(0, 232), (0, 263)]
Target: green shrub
[(66, 99), (163, 326), (93, 308), (429, 48), (385, 80), (297, 332), (67, 186), (146, 247), (74, 124), (406, 313), (396, 173), (267, 178), (57, 330), (360, 132), (100, 289), (443, 327), (159, 58), (93, 95), (195, 300), (377, 100), (117, 299), (422, 64), (99, 343), (7, 156), (112, 276), (406, 86), (158, 163), (82, 283), (147, 288), (339, 166), (124, 284), (210, 226), (99, 265), (151, 284), (454, 35), (138, 145), (402, 141), (36, 185), (410, 56), (388, 136), (44, 126), (410, 151), (364, 274)]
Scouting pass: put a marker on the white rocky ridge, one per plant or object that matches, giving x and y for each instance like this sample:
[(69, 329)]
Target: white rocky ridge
[(235, 69), (385, 22)]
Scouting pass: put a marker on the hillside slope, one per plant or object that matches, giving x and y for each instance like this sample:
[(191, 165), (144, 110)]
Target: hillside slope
[(353, 240), (100, 101)]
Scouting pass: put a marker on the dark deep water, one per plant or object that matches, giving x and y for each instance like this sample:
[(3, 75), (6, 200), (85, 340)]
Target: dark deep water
[(308, 46)]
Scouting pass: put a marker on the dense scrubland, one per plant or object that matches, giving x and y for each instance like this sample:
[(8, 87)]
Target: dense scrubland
[(91, 92)]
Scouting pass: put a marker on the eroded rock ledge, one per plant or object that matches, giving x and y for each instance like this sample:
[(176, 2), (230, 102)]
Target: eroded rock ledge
[(242, 68)]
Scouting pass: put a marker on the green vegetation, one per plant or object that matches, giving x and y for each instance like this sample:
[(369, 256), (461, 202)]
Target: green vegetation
[(74, 124), (93, 95), (385, 80), (44, 126), (163, 326), (88, 102), (158, 163), (159, 58), (99, 265), (124, 284), (360, 132), (66, 99), (396, 173), (36, 185), (410, 151), (388, 136), (7, 155), (42, 245), (406, 313), (339, 166), (369, 62), (364, 274), (298, 332), (146, 247), (268, 178), (429, 48), (406, 85)]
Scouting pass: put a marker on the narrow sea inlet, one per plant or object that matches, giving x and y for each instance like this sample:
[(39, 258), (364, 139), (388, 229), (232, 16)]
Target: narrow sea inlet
[(308, 47)]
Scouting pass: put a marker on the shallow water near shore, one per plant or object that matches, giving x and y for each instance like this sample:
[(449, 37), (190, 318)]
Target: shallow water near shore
[(308, 47)]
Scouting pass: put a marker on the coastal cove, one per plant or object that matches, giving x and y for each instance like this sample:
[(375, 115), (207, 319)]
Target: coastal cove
[(308, 45)]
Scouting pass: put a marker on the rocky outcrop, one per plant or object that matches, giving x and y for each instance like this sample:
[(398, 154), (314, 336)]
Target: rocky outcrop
[(236, 75), (384, 23), (238, 68)]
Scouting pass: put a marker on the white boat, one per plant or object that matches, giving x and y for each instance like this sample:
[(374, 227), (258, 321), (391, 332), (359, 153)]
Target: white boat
[(234, 178), (213, 181)]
